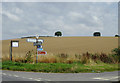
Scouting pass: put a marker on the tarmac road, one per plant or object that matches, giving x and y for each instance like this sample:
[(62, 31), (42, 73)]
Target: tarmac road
[(35, 76)]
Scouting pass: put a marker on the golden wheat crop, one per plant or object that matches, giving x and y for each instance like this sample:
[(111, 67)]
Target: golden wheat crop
[(66, 45)]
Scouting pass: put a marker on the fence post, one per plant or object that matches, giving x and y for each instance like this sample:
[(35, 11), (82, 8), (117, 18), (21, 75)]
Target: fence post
[(11, 51)]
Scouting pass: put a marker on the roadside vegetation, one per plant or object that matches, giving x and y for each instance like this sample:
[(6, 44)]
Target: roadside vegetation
[(63, 63), (0, 65), (59, 67)]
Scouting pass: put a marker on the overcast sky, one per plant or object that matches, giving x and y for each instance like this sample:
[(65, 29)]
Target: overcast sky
[(71, 18)]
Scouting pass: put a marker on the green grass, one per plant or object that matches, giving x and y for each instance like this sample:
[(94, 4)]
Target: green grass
[(59, 67), (0, 65)]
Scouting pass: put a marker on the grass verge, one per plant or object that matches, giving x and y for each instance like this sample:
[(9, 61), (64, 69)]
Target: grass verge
[(0, 65), (59, 67)]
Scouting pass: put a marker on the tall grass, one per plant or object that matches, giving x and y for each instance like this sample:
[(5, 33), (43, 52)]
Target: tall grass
[(86, 58)]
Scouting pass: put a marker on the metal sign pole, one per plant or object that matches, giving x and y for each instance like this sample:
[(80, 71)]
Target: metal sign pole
[(37, 42), (11, 51), (36, 49), (37, 57)]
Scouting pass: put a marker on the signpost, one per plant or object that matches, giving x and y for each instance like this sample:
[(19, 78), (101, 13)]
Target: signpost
[(38, 43), (35, 40), (41, 52), (39, 49), (13, 44), (39, 46)]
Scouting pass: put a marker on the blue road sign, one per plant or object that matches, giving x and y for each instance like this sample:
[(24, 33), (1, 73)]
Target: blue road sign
[(39, 46), (37, 43), (39, 49)]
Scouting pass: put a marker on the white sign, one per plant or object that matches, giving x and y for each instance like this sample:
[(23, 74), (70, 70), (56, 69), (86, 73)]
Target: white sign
[(15, 44), (34, 40), (31, 40)]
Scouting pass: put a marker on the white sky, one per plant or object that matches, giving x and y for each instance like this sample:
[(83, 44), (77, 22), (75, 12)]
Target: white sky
[(71, 18), (60, 0)]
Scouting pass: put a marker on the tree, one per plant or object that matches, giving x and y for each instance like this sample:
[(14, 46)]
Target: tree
[(96, 34), (58, 33), (116, 35)]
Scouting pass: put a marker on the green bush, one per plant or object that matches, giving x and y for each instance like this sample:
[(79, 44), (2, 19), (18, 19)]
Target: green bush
[(28, 57), (116, 51)]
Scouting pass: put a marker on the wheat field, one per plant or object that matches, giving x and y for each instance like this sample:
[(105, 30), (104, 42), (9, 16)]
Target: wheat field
[(67, 45)]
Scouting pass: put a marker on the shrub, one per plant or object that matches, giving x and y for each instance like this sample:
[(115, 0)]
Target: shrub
[(29, 57), (85, 58), (115, 59), (116, 51), (77, 56), (104, 58), (62, 55), (95, 57)]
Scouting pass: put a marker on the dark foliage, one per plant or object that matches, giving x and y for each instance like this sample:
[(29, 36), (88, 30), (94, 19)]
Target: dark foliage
[(116, 35), (96, 34), (58, 33), (116, 51)]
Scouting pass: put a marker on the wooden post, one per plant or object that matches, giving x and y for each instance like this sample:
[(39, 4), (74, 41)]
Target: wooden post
[(11, 51)]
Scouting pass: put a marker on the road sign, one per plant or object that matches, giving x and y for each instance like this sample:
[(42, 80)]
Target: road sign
[(39, 49), (15, 43), (37, 44), (41, 52), (34, 40)]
